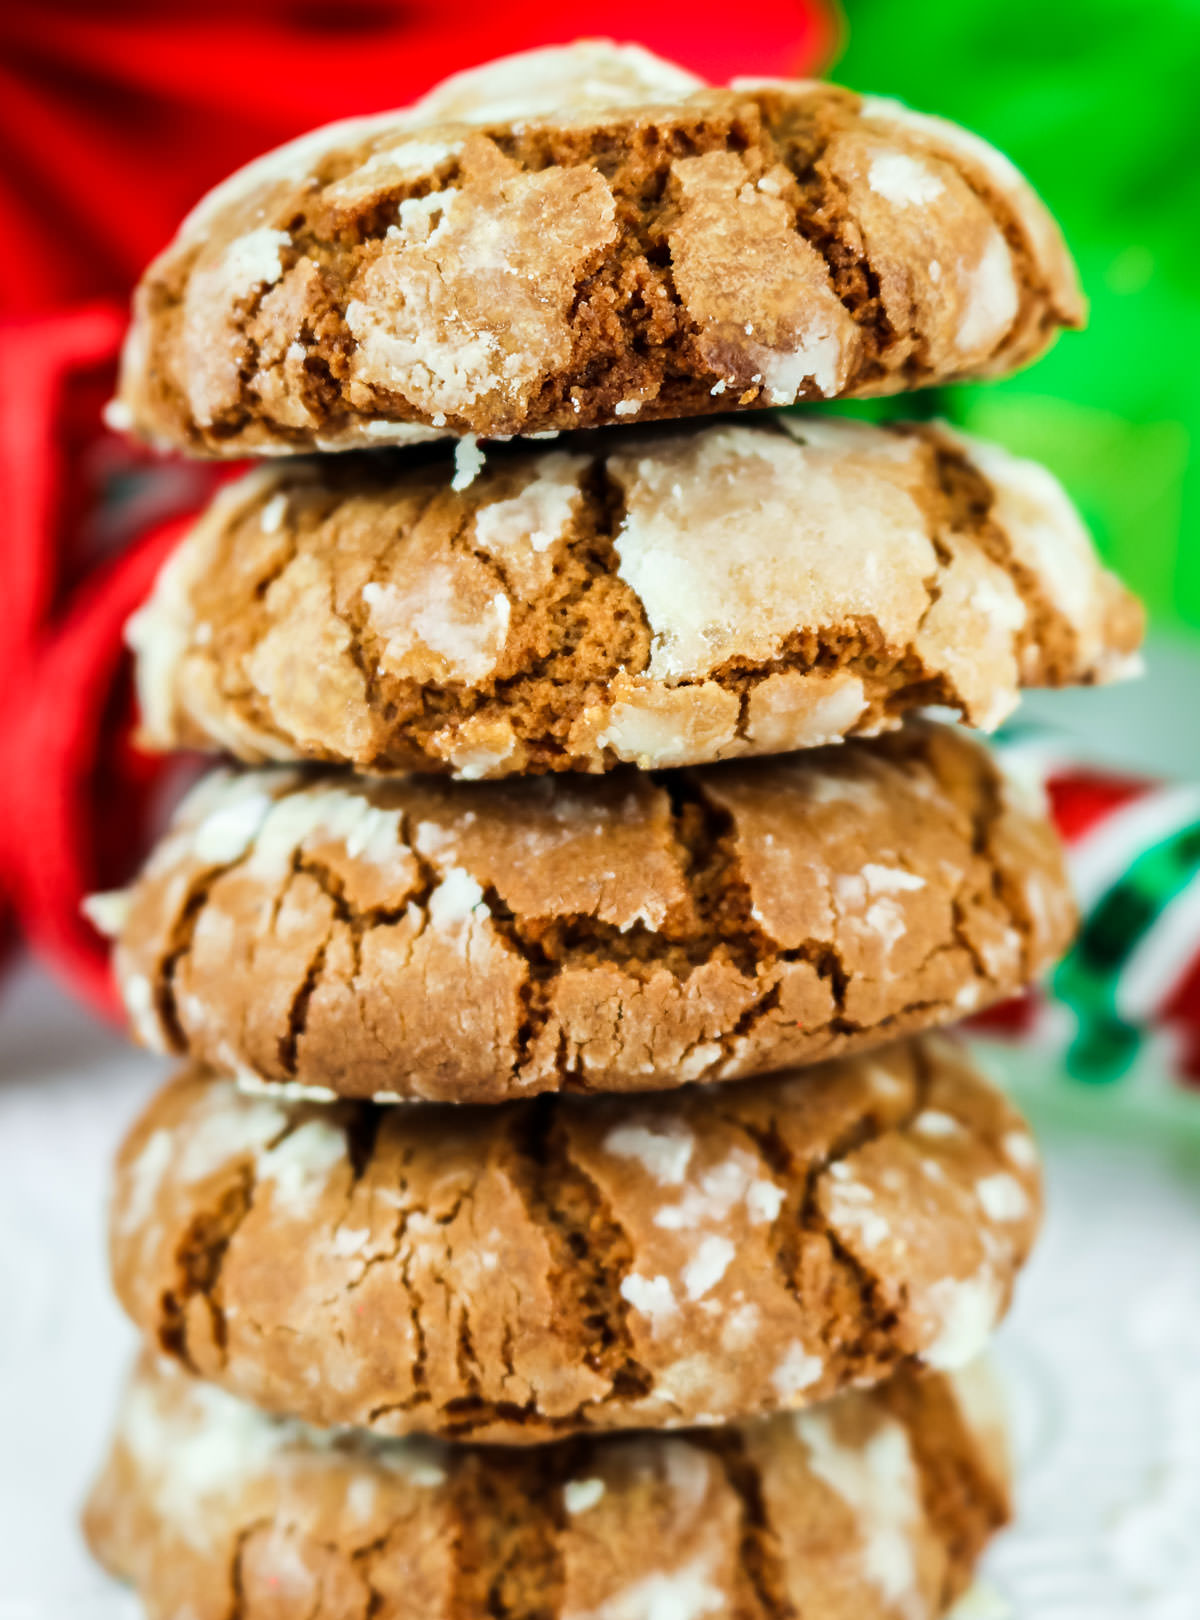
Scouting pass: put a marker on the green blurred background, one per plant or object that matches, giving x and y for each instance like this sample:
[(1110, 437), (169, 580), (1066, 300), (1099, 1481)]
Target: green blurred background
[(1098, 102)]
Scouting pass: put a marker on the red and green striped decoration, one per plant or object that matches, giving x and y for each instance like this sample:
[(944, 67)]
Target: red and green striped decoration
[(1132, 978)]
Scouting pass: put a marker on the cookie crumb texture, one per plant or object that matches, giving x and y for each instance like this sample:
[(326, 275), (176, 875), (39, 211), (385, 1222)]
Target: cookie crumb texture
[(471, 941), (876, 1507), (659, 599), (585, 252), (561, 1265)]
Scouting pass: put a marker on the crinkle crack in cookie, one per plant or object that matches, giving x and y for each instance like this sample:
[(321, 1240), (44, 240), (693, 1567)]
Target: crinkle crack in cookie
[(472, 941), (565, 1264), (876, 1506), (579, 237), (662, 599)]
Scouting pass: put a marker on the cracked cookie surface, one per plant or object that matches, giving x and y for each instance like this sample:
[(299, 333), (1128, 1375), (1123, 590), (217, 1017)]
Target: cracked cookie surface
[(661, 599), (574, 238), (469, 942), (559, 1265), (877, 1506)]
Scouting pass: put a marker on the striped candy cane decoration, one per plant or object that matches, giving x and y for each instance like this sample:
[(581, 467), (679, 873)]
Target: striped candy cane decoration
[(1133, 975)]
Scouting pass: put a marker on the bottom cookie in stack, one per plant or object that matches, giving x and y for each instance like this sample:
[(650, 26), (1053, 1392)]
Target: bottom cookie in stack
[(873, 1506)]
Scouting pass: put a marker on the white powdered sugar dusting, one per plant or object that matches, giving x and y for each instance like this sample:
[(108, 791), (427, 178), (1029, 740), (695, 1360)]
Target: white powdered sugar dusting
[(457, 900), (270, 519), (225, 1128), (408, 160), (991, 297), (557, 79), (539, 515), (890, 879), (521, 531), (253, 1085), (1020, 1147), (903, 181), (796, 1372), (197, 1445), (1002, 1197), (463, 300), (652, 1296), (933, 1122), (764, 1200), (142, 1178), (298, 1168), (663, 1151), (967, 1310), (107, 912), (878, 1481), (887, 922), (1047, 536), (138, 995), (366, 831), (816, 359), (741, 1326), (707, 1266), (361, 1495), (252, 261), (659, 728), (852, 1211), (191, 1463), (952, 136), (684, 1594), (468, 462), (414, 1460), (581, 1494), (807, 525), (231, 827), (431, 615), (715, 1192)]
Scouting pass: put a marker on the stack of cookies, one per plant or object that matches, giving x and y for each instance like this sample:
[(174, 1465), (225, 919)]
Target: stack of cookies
[(566, 1209)]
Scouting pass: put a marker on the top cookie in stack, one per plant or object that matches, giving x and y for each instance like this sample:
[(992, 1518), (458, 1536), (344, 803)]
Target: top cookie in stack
[(583, 236)]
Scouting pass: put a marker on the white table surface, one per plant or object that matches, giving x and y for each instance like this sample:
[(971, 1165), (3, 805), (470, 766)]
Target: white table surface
[(1101, 1355)]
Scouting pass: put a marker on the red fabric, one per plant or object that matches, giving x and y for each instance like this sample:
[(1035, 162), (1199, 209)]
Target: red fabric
[(81, 795), (75, 794), (1010, 1020), (114, 120)]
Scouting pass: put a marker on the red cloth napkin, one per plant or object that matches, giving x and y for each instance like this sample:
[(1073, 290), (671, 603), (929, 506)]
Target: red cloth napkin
[(87, 521)]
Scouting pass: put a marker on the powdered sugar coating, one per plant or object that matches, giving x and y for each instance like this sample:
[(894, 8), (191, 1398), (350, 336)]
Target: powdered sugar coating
[(903, 180)]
